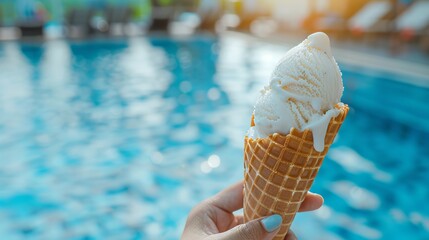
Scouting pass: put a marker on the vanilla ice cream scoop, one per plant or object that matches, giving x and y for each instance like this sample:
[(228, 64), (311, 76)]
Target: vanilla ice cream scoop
[(303, 91)]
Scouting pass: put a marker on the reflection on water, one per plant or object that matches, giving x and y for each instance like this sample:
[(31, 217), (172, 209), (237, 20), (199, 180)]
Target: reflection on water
[(119, 139), (352, 162)]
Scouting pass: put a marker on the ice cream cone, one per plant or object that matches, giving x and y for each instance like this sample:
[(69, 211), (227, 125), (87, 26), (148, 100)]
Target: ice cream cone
[(280, 169)]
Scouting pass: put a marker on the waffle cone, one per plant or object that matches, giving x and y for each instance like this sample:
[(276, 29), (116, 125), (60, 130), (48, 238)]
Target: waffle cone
[(280, 169)]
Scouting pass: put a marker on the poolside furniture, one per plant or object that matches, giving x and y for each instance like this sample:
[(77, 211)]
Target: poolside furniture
[(161, 16), (9, 33), (375, 17), (209, 12), (186, 23), (186, 20), (30, 18), (424, 40), (414, 24), (31, 28), (334, 20), (117, 18), (251, 11), (186, 5), (78, 22)]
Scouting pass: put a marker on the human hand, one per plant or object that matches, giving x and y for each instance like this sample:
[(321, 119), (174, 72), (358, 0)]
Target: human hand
[(213, 219)]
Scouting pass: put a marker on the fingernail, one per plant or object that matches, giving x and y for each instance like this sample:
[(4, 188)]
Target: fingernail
[(272, 222)]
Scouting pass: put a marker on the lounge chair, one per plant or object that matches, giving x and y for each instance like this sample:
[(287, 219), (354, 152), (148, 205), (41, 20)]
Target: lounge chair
[(414, 21), (374, 18), (209, 12), (117, 18), (161, 16), (335, 20), (413, 24), (78, 22), (253, 10), (30, 28), (8, 31), (31, 19), (424, 40)]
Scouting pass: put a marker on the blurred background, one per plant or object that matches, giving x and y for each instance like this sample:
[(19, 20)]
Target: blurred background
[(117, 117)]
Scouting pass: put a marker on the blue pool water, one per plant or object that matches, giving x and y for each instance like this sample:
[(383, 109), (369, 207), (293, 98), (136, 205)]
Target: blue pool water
[(118, 139)]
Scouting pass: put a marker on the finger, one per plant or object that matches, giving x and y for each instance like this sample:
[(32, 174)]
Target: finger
[(230, 199), (311, 202), (258, 229), (239, 219), (290, 236)]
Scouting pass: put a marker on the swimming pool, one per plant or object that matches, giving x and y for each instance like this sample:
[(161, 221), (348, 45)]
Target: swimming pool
[(118, 139)]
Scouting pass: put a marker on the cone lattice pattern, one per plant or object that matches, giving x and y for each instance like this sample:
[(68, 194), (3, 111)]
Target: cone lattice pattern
[(279, 170)]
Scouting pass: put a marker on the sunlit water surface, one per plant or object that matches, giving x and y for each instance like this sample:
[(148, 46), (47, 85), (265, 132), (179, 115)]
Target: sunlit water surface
[(118, 139)]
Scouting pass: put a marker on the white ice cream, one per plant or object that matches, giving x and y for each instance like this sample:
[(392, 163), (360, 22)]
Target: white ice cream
[(303, 91)]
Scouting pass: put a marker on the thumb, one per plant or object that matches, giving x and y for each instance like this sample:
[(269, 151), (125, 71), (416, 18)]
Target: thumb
[(258, 229)]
